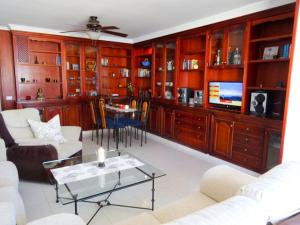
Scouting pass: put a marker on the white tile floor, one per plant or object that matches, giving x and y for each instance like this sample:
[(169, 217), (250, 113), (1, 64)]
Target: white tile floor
[(183, 166)]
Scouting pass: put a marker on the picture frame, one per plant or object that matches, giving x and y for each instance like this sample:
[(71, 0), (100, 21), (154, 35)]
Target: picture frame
[(75, 66), (270, 52), (90, 65)]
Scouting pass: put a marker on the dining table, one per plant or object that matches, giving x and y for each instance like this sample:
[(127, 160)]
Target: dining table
[(117, 111)]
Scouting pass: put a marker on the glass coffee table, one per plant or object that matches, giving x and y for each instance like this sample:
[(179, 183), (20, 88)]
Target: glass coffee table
[(80, 179)]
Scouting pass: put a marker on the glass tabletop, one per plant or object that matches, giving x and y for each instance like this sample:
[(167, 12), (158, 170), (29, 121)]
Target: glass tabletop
[(101, 184)]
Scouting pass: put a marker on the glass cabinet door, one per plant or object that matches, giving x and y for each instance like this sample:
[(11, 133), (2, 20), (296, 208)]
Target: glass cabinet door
[(73, 69), (235, 46), (91, 71), (170, 70), (273, 147), (216, 55), (159, 70)]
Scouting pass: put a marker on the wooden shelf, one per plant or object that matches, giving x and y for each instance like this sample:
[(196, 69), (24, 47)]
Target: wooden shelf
[(193, 52), (73, 56), (222, 67), (145, 56), (73, 71), (39, 83), (272, 38), (143, 77), (40, 65), (267, 88), (123, 67), (45, 52), (193, 70), (116, 56), (269, 60)]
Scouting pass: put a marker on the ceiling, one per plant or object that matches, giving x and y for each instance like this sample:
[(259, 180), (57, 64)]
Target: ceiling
[(141, 20)]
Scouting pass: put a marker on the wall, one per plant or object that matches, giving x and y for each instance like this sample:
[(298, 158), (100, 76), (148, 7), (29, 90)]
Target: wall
[(291, 150), (7, 71)]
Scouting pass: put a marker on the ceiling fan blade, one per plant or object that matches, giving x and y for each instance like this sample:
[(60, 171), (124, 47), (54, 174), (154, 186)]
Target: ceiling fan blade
[(70, 31), (110, 28), (114, 33)]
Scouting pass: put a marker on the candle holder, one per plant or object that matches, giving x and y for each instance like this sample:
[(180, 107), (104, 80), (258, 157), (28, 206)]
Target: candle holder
[(101, 164)]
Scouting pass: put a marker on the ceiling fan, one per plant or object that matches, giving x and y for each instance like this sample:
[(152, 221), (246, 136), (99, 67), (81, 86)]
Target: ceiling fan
[(93, 28)]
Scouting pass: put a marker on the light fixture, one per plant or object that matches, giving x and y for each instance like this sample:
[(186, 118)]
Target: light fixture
[(93, 35)]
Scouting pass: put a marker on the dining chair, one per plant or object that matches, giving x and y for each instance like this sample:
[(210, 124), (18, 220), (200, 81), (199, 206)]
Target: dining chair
[(109, 123), (140, 122), (95, 119)]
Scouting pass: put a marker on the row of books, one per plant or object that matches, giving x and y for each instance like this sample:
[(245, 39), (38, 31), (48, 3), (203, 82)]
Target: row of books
[(190, 64), (285, 51)]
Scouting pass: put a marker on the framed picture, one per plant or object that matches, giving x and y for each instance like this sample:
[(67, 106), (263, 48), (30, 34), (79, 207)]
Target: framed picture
[(271, 52), (75, 66), (90, 65)]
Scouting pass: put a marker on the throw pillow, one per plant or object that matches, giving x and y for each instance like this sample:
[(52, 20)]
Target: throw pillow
[(50, 130)]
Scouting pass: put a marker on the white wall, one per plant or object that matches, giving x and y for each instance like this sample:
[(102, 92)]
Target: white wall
[(291, 149)]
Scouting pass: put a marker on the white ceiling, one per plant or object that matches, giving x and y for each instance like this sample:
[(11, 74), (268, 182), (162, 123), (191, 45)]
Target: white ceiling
[(141, 20)]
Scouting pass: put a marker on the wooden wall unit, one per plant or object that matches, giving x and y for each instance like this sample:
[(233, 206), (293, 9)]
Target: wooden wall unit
[(8, 84), (78, 70)]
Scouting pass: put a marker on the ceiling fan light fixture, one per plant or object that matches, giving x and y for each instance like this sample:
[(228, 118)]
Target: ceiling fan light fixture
[(93, 35)]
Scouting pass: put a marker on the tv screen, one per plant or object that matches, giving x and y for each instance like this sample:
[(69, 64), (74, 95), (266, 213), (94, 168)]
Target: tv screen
[(226, 94)]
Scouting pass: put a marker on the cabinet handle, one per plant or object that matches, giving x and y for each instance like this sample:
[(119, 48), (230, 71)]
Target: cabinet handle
[(231, 125), (247, 129), (199, 118), (199, 127), (246, 139), (245, 150)]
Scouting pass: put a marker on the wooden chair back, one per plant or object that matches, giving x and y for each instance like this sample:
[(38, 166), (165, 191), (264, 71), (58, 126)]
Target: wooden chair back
[(92, 109), (102, 113), (145, 110), (133, 104)]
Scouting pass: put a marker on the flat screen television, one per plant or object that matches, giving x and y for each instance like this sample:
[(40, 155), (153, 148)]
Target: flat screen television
[(226, 94)]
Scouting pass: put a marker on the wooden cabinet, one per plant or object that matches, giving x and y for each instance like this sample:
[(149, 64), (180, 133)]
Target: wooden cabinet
[(191, 129), (155, 119), (168, 122), (71, 115), (226, 46), (51, 111), (164, 70), (248, 145), (222, 133), (115, 70)]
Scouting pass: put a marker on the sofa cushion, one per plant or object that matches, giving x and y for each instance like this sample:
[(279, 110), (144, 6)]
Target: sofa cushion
[(49, 130), (8, 174), (142, 219), (277, 191), (7, 213), (10, 194), (183, 207), (16, 121), (71, 133), (59, 219), (222, 182), (68, 149), (4, 133), (238, 210)]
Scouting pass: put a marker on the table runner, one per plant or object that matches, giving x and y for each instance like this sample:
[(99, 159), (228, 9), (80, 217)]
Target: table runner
[(84, 171)]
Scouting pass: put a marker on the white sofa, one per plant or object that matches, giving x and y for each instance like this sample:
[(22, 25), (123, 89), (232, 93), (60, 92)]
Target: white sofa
[(230, 197), (12, 210), (27, 152)]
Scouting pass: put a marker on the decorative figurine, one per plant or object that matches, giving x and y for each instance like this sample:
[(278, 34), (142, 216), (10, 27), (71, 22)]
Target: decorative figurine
[(40, 95), (218, 58)]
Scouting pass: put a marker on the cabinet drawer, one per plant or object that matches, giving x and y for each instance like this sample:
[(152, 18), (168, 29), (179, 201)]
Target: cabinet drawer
[(247, 140), (190, 137), (246, 160), (190, 125), (249, 129), (248, 149), (191, 118)]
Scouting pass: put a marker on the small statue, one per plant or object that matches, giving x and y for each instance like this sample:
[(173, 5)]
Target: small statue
[(40, 95)]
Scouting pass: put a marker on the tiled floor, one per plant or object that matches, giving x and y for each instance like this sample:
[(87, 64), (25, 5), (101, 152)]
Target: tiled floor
[(183, 166)]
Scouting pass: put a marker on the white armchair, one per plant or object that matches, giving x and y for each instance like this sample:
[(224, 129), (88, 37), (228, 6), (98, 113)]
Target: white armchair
[(27, 152)]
